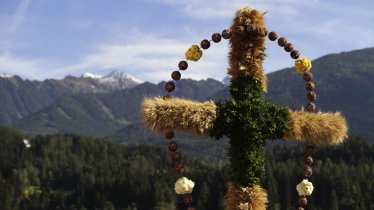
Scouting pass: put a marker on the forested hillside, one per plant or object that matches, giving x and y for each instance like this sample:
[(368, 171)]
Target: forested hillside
[(75, 172)]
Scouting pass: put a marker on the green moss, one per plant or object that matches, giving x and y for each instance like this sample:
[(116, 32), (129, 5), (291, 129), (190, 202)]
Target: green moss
[(248, 121)]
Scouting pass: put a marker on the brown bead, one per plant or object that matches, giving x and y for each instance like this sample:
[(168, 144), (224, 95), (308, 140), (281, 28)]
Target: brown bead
[(187, 199), (309, 86), (311, 107), (302, 201), (240, 30), (282, 41), (166, 97), (216, 37), (295, 54), (170, 86), (183, 65), (288, 47), (311, 96), (176, 75), (308, 76), (273, 36), (308, 161), (300, 208), (309, 150), (191, 208), (308, 171), (176, 156), (179, 168), (173, 146), (169, 134), (226, 34), (205, 44)]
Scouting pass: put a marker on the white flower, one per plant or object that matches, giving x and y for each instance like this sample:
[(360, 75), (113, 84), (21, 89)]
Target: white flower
[(27, 143), (184, 186), (305, 188)]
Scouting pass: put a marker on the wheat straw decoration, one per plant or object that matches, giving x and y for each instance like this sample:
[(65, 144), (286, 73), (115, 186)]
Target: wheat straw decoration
[(246, 119)]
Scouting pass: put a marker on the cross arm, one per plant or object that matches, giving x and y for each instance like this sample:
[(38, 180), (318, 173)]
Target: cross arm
[(317, 128), (179, 114)]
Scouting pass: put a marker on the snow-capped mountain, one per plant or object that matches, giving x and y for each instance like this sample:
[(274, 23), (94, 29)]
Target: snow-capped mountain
[(115, 76), (115, 80), (118, 76), (89, 75), (4, 75)]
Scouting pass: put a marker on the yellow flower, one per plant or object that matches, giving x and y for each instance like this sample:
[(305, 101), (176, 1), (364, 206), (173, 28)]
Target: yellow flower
[(193, 53), (303, 65), (196, 56), (195, 48), (188, 55)]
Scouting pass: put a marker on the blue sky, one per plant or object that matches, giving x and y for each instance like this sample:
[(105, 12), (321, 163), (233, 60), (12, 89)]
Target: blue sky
[(42, 39)]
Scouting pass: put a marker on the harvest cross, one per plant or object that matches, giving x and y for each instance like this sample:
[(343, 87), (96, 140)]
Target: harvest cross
[(246, 119)]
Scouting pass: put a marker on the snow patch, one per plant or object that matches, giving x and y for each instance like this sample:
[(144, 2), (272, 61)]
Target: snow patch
[(90, 75), (3, 75)]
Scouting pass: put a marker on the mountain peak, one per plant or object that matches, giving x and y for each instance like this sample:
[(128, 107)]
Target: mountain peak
[(120, 75), (90, 75), (4, 75)]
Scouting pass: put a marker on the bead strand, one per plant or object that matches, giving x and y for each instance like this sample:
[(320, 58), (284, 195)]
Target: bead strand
[(310, 107), (176, 156)]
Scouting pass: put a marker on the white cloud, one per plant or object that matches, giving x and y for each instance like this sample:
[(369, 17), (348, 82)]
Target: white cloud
[(19, 15), (11, 65), (151, 59), (314, 27)]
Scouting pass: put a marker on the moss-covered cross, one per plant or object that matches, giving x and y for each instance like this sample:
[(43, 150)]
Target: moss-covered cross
[(246, 119)]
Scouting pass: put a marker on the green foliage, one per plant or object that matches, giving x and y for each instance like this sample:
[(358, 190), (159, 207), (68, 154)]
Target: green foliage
[(76, 172), (248, 121)]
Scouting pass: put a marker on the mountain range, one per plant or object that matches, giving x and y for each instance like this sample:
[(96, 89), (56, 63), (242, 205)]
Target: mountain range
[(110, 105)]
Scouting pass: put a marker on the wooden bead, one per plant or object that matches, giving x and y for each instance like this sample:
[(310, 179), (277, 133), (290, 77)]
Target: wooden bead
[(183, 65), (176, 75), (273, 36), (309, 86), (311, 96), (216, 37), (205, 44), (179, 168), (302, 201), (176, 156), (169, 134), (300, 208), (309, 150), (187, 199), (308, 171), (295, 54), (308, 161), (170, 86), (311, 107), (282, 41), (173, 146), (308, 76), (288, 47), (226, 34)]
